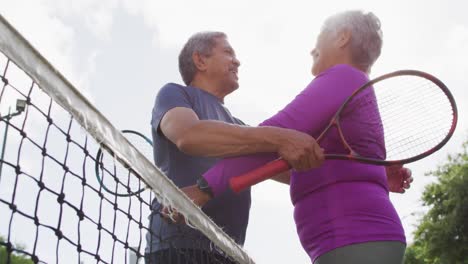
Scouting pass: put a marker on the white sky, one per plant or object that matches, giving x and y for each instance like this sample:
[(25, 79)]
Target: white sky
[(120, 52)]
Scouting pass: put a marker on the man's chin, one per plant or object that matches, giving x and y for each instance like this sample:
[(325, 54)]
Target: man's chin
[(233, 87)]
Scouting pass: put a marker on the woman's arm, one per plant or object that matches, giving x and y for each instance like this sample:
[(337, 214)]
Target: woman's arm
[(309, 112)]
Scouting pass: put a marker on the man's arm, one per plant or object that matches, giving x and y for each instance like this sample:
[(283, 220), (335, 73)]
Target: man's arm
[(210, 138)]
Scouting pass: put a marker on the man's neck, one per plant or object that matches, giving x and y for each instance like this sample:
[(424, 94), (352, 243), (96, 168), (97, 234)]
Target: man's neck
[(210, 88)]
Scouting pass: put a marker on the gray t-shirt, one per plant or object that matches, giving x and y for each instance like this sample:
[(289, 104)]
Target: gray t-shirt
[(230, 211)]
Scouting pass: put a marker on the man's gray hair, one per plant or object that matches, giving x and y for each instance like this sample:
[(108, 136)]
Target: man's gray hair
[(366, 35), (203, 43)]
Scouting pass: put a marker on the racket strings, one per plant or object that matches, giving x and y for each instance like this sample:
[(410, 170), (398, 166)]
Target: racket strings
[(395, 100), (410, 149), (425, 131), (420, 110), (416, 115)]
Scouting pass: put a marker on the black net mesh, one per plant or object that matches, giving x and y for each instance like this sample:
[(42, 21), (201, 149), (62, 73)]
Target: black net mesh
[(64, 198)]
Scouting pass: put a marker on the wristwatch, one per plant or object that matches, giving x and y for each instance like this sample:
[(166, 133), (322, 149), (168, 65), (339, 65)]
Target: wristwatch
[(202, 184)]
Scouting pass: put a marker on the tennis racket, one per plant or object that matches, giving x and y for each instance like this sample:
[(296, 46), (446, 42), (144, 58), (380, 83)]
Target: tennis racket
[(116, 177), (417, 113)]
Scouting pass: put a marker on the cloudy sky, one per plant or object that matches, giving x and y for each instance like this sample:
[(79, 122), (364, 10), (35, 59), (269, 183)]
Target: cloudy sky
[(120, 52)]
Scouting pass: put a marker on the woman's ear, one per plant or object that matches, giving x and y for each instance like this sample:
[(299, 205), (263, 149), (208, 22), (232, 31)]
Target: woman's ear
[(344, 38)]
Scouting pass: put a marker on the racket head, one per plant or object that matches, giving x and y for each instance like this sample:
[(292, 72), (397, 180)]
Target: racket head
[(417, 113), (117, 178), (423, 102)]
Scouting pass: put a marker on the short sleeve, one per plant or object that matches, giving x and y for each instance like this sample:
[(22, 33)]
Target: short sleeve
[(239, 122), (170, 96)]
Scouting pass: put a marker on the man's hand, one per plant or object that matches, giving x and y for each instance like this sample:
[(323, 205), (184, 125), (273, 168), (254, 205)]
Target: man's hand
[(171, 215), (198, 197), (300, 150), (399, 178)]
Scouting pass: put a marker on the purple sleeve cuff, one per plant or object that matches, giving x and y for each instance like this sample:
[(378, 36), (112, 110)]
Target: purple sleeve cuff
[(219, 175)]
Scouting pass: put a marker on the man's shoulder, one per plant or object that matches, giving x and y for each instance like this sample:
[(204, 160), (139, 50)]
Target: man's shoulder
[(173, 91), (172, 87)]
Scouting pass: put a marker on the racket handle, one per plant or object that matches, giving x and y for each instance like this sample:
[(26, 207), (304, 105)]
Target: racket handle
[(241, 182)]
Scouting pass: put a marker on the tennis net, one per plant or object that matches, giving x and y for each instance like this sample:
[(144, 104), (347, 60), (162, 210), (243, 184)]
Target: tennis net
[(73, 188)]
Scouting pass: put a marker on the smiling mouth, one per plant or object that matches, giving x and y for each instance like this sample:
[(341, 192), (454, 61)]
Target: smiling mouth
[(234, 71)]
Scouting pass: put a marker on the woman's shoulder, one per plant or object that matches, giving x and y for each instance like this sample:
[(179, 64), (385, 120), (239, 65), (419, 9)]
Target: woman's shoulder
[(343, 69), (342, 77), (343, 74)]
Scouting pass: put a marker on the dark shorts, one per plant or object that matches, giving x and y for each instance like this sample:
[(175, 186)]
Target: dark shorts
[(382, 252), (186, 256)]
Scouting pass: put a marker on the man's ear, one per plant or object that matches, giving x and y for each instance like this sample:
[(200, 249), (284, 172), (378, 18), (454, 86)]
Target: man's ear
[(199, 61), (344, 38)]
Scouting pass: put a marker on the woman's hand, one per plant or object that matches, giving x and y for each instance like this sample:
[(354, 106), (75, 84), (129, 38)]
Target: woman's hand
[(399, 178)]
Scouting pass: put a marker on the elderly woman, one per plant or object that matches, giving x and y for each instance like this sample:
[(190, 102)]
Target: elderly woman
[(342, 209)]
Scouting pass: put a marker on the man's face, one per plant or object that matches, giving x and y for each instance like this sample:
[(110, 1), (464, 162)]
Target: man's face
[(223, 65)]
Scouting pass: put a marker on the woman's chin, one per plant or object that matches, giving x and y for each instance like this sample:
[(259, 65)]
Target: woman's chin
[(314, 71)]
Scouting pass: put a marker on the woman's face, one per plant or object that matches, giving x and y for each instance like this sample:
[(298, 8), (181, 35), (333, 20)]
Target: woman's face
[(324, 53)]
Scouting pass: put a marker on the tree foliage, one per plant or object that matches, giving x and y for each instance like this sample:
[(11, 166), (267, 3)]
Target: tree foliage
[(15, 258), (442, 234)]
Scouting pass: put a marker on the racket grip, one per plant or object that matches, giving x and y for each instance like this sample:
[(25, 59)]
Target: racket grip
[(241, 182)]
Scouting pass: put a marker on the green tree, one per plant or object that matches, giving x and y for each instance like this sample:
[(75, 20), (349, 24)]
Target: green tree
[(14, 258), (442, 234)]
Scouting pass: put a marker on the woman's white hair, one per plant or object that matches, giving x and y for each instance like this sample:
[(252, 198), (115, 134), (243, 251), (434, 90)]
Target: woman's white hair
[(366, 35)]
